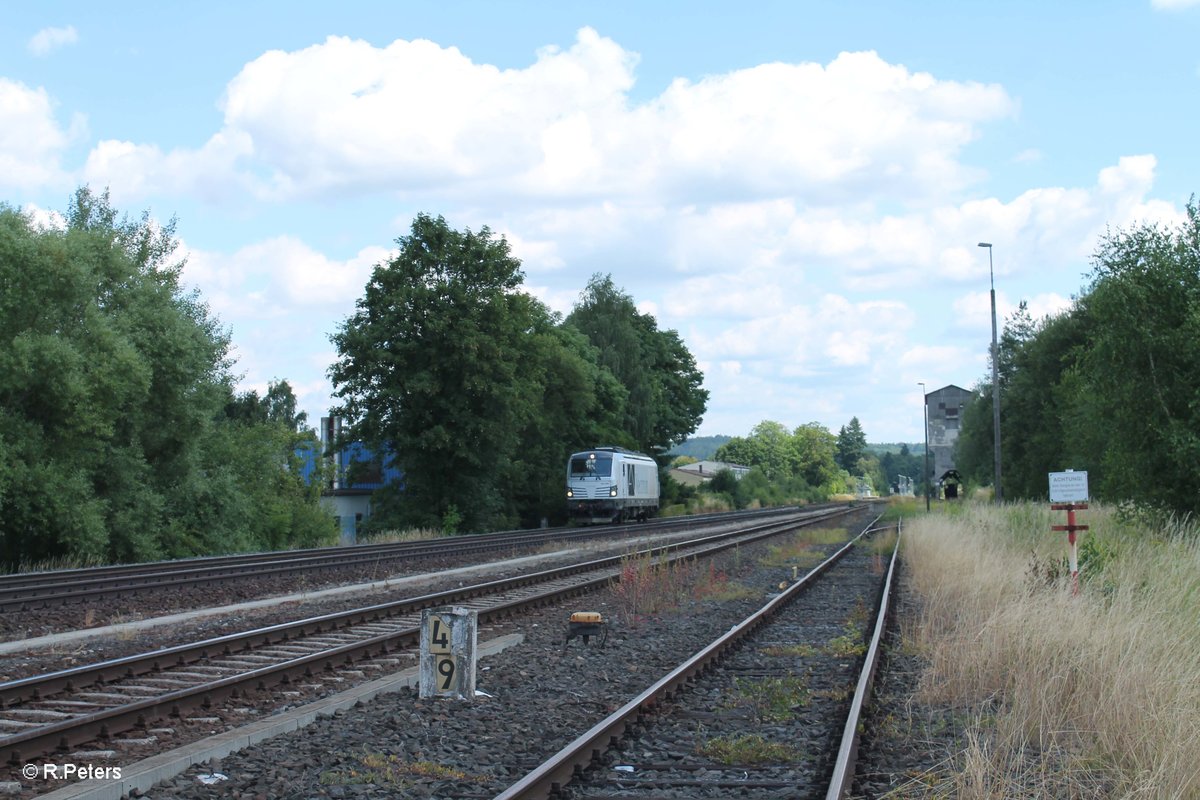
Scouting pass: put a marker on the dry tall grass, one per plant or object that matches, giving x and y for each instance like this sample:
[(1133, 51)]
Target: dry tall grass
[(1095, 695)]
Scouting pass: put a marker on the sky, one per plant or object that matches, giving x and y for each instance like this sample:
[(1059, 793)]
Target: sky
[(797, 188)]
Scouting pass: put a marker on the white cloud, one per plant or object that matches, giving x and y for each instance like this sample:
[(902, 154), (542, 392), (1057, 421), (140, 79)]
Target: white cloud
[(417, 117), (280, 276), (31, 140), (134, 170), (47, 40), (44, 219), (1174, 5), (764, 212)]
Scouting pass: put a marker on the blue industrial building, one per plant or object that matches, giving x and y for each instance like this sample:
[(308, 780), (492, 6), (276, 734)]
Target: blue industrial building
[(352, 474)]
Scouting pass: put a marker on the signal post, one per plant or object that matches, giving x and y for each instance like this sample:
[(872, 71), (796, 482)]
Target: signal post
[(1069, 492)]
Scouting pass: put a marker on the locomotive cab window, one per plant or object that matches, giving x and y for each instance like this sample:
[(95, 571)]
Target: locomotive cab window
[(600, 466)]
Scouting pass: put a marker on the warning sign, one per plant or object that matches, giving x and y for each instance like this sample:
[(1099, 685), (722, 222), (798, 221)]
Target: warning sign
[(1068, 487)]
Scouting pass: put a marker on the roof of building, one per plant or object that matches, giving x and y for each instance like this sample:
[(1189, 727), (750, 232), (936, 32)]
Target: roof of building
[(712, 467)]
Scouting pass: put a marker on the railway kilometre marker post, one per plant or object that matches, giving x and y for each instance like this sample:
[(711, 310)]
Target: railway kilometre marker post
[(448, 642)]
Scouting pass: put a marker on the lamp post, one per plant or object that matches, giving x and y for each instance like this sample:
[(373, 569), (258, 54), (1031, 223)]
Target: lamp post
[(995, 379), (925, 422)]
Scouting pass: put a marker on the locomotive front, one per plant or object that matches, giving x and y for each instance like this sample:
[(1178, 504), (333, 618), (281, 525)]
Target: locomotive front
[(592, 490)]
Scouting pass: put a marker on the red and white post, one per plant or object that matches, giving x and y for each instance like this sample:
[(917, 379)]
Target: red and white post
[(1071, 528)]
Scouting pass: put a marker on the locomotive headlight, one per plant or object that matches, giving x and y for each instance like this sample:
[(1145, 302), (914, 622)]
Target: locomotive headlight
[(570, 492), (612, 492)]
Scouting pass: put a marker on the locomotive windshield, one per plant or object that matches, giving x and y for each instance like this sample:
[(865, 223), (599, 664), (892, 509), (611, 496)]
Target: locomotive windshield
[(584, 467)]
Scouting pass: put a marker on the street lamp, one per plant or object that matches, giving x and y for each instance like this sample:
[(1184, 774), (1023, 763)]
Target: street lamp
[(925, 420), (995, 378)]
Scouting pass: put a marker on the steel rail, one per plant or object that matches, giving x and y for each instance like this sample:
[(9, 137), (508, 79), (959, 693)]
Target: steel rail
[(847, 757), (20, 578), (546, 780), (68, 733), (24, 591), (42, 686)]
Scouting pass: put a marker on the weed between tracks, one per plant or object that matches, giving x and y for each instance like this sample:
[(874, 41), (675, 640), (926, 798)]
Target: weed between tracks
[(770, 699), (650, 585), (747, 749), (804, 548), (381, 769)]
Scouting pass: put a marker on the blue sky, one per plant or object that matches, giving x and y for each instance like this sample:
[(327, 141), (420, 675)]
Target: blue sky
[(797, 188)]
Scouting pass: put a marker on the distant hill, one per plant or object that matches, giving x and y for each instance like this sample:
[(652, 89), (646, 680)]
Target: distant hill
[(894, 447), (701, 448)]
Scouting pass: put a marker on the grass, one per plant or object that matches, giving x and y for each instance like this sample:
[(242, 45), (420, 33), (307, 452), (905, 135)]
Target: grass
[(770, 699), (381, 769), (1089, 695), (747, 749), (396, 536), (652, 585), (56, 563), (790, 651), (800, 549)]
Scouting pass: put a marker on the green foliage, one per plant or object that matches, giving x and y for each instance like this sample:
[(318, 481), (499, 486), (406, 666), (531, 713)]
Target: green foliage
[(792, 467), (851, 445), (700, 448), (481, 391), (894, 462), (848, 645), (1108, 386), (770, 699), (663, 384), (115, 441), (451, 519), (747, 749), (430, 366)]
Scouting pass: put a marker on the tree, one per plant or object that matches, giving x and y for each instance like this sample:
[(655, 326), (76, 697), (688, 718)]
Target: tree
[(1109, 385), (805, 455), (113, 389), (475, 387), (428, 368), (665, 398), (279, 405), (851, 445), (1141, 367), (768, 447), (816, 448)]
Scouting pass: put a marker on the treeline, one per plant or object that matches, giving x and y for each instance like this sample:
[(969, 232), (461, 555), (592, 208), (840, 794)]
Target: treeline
[(808, 463), (1111, 386), (479, 392), (121, 437)]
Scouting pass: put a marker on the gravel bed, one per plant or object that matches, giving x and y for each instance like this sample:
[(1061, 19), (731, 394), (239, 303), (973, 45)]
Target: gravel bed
[(149, 603), (907, 747), (102, 648), (152, 602), (766, 722), (540, 697)]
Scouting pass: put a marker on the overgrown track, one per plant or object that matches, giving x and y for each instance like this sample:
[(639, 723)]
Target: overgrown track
[(768, 710), (65, 709), (27, 591)]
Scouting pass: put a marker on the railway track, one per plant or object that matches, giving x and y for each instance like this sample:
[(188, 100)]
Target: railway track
[(22, 592), (769, 710), (63, 710)]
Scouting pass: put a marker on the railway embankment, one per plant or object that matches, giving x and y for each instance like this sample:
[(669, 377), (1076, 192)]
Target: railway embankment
[(1005, 682)]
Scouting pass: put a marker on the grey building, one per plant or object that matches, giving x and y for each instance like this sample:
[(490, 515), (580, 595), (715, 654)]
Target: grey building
[(944, 408)]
